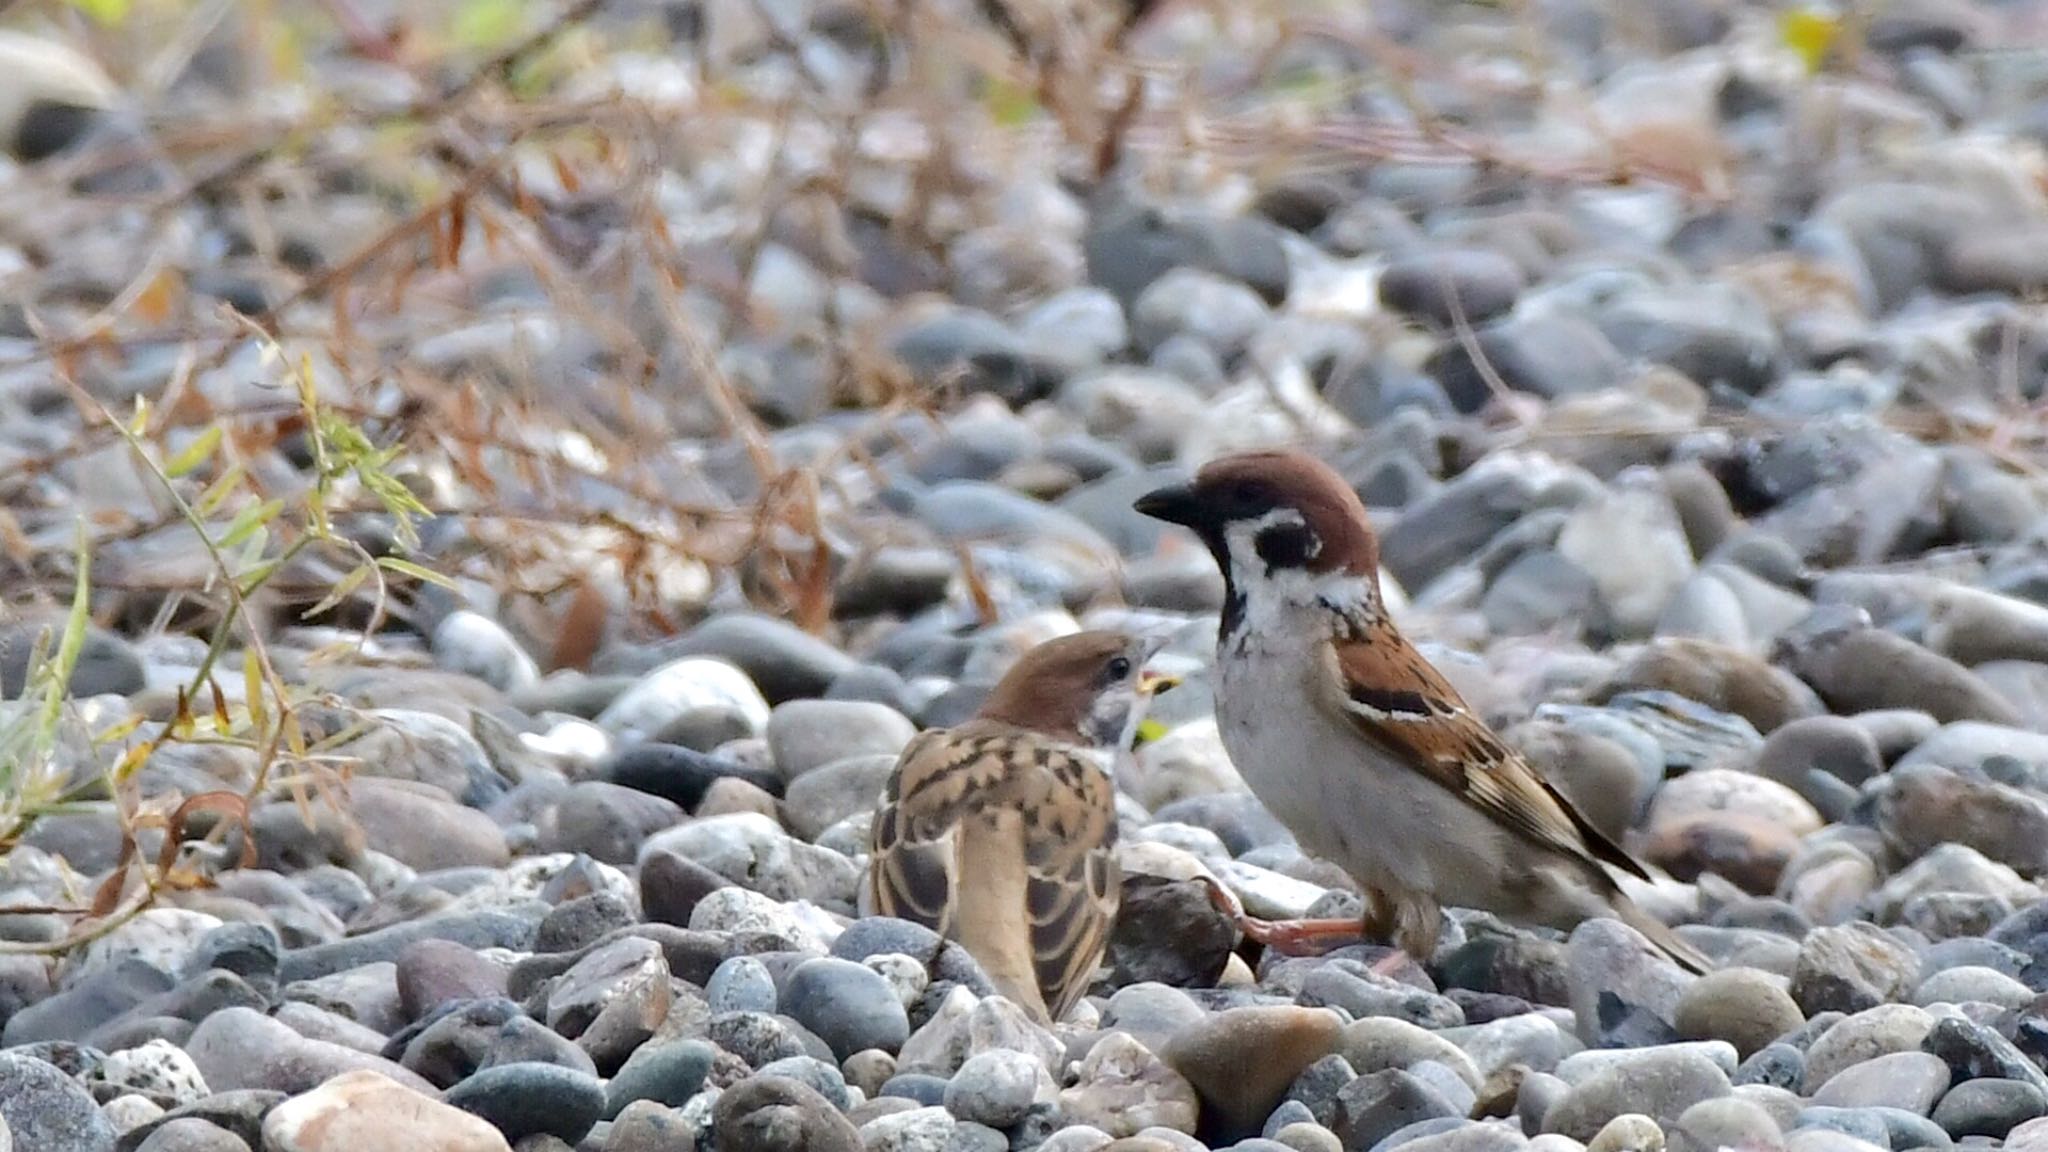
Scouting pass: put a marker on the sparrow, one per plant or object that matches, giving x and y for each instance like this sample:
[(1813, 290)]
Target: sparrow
[(1000, 833), (1361, 747)]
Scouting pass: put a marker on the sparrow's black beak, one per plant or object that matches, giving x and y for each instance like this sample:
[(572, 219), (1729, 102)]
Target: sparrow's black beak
[(1175, 504)]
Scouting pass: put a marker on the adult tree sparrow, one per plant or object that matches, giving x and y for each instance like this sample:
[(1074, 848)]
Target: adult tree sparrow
[(1357, 744), (1001, 833)]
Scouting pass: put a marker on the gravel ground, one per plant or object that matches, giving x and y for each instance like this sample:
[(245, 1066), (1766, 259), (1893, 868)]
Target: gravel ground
[(1692, 374)]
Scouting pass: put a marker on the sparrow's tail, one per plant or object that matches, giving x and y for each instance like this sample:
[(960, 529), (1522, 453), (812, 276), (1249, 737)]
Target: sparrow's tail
[(1660, 934)]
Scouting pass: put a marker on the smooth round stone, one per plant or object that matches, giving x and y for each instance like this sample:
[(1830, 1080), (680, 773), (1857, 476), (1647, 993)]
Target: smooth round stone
[(681, 775), (1655, 1083), (1971, 983), (1909, 1080), (1865, 1036), (526, 1099), (1219, 312), (1379, 1104), (997, 1088), (249, 950), (1774, 1064), (841, 790), (48, 1111), (129, 1112), (1582, 1066), (1307, 1137), (668, 1073), (847, 1005), (166, 938), (191, 1134), (649, 1127), (2031, 1136), (741, 984), (1623, 991), (691, 693), (912, 1131), (159, 1068), (242, 1048), (432, 972), (360, 1110), (1473, 283), (787, 662), (1077, 1138), (923, 1088), (1989, 1107), (1378, 1043), (773, 1114), (752, 850), (1726, 1122), (819, 1075), (1528, 1038), (1863, 1124), (808, 734), (1746, 1007), (1243, 1060), (476, 645), (1628, 1132)]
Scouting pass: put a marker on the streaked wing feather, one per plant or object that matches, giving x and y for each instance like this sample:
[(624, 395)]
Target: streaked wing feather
[(1427, 724), (1068, 814), (1075, 882)]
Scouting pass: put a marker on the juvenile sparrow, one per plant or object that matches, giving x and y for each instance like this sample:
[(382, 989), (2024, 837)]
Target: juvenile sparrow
[(1001, 833), (1357, 744)]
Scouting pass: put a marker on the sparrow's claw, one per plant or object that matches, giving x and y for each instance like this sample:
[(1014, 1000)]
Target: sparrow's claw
[(1287, 937)]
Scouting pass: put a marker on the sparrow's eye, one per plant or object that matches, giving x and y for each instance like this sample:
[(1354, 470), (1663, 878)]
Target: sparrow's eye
[(1119, 668), (1286, 546)]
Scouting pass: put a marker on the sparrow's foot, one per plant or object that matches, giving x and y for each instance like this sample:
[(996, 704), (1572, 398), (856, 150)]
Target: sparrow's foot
[(1287, 937)]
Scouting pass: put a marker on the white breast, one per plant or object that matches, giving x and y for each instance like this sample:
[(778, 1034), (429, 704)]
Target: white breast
[(1342, 798)]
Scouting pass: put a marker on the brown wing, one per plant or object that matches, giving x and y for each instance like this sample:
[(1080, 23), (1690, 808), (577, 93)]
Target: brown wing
[(1074, 883), (1066, 808), (1427, 724)]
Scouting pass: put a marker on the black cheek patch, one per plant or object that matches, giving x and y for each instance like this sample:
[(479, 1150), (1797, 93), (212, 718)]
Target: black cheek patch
[(1286, 546)]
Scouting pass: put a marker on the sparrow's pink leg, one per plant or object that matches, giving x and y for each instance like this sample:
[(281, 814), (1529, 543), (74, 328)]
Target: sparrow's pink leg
[(1288, 937)]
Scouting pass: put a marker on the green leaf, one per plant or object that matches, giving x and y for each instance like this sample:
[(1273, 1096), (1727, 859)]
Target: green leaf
[(210, 500), (417, 572), (343, 589), (1149, 730), (248, 521), (198, 452), (249, 580)]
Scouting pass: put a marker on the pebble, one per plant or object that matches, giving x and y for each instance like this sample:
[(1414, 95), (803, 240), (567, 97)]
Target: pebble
[(526, 1099), (1989, 1107), (1661, 1084), (1909, 1080), (848, 1005), (363, 1109), (45, 1109), (1120, 1087), (1849, 968), (774, 1114), (1746, 1007), (1864, 1036), (1241, 1061)]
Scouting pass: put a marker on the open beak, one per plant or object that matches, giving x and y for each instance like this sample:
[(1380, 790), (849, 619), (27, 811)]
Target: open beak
[(1154, 683), (1175, 504)]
